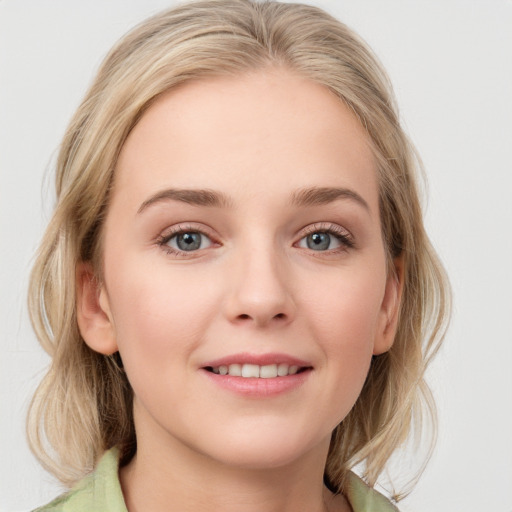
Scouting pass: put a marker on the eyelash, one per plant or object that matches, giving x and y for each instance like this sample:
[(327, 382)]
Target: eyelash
[(342, 235), (164, 239)]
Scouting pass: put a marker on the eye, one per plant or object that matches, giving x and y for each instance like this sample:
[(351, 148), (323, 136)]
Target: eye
[(330, 238), (319, 242), (185, 241)]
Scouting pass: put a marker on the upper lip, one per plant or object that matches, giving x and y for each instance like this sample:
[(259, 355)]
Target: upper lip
[(257, 359)]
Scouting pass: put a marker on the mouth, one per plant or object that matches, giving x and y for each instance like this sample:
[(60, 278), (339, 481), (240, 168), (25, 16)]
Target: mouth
[(258, 376), (254, 371)]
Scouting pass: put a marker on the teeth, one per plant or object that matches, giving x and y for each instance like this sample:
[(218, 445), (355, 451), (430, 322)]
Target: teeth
[(268, 371), (282, 370), (235, 370), (250, 370)]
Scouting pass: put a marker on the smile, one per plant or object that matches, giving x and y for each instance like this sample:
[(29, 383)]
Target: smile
[(268, 371), (258, 375)]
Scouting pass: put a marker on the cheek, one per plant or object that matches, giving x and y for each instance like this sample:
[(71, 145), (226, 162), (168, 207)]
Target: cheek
[(159, 317), (347, 309), (345, 320)]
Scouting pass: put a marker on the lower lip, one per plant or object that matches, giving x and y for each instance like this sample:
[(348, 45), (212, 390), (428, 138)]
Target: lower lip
[(257, 387)]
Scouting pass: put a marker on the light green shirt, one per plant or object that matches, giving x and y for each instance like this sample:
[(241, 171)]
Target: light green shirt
[(101, 492)]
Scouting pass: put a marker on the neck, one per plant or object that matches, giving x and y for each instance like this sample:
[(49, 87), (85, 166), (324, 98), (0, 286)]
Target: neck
[(166, 474)]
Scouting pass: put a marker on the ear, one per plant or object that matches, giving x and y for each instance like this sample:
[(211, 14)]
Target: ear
[(93, 311), (390, 309)]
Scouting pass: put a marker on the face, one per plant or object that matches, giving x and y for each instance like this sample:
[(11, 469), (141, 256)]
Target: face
[(245, 281)]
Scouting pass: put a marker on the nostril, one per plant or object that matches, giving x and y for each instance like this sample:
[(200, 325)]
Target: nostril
[(245, 316)]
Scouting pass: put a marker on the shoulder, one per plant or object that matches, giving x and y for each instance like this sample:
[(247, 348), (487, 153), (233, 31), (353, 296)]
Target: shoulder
[(98, 491), (363, 498)]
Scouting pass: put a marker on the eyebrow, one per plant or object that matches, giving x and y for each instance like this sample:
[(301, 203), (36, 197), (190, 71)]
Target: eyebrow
[(315, 196), (195, 197)]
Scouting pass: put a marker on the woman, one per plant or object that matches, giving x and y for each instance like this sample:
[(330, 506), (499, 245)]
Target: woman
[(237, 286)]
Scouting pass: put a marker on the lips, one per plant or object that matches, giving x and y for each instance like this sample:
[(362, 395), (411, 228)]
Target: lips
[(266, 366)]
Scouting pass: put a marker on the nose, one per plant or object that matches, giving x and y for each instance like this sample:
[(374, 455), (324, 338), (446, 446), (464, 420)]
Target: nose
[(260, 289)]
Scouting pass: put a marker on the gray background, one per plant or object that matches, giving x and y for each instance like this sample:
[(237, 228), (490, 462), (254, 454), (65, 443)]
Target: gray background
[(451, 65)]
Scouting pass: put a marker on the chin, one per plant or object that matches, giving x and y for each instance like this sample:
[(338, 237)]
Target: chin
[(267, 448)]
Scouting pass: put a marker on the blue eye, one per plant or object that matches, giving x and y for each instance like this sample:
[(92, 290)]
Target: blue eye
[(188, 241), (324, 237), (320, 241)]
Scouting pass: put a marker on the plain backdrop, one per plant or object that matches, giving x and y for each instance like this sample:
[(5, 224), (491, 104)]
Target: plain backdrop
[(451, 65)]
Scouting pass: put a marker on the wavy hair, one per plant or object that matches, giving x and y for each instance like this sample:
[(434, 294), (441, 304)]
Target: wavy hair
[(83, 405)]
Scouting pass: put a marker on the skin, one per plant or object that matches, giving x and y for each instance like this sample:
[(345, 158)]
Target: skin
[(254, 287)]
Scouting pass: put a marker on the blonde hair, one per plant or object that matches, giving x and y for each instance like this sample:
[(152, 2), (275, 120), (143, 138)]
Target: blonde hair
[(84, 404)]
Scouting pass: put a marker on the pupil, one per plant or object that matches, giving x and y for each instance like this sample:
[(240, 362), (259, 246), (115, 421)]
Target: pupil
[(189, 241), (318, 241)]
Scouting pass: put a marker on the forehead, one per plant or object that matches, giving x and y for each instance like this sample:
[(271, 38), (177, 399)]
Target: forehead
[(259, 133)]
